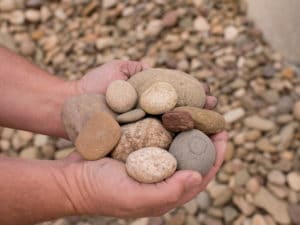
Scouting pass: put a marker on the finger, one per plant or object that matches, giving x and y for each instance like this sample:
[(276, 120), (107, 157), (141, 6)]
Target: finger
[(74, 157), (169, 192), (206, 89), (211, 102), (188, 196), (130, 68), (145, 65), (220, 143)]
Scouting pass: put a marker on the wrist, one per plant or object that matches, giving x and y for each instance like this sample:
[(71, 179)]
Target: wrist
[(39, 188), (75, 187), (62, 91)]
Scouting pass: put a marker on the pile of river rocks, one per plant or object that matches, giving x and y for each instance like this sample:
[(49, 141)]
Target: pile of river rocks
[(91, 121), (214, 42)]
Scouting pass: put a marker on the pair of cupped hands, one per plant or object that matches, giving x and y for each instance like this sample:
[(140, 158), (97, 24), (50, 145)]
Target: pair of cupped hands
[(103, 186)]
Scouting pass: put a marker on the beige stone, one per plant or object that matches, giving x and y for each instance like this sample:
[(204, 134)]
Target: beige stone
[(189, 90), (121, 96), (158, 98), (150, 165)]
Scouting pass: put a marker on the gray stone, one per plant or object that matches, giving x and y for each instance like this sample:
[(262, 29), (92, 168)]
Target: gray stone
[(193, 151), (7, 41), (131, 116), (230, 214), (203, 200), (191, 207), (242, 177)]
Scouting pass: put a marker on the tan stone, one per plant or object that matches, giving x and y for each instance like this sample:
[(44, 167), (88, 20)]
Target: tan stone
[(98, 136)]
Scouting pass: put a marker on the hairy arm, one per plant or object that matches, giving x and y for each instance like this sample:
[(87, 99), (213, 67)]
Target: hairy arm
[(32, 191), (31, 98)]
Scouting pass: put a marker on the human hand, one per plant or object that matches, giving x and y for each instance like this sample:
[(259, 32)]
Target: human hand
[(103, 187), (98, 79)]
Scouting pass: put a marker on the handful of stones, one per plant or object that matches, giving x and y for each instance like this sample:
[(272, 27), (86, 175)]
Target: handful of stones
[(155, 122)]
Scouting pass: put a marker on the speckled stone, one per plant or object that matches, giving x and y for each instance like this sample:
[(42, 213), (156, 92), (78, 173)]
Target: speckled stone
[(150, 165), (131, 116), (193, 151), (147, 132), (158, 98)]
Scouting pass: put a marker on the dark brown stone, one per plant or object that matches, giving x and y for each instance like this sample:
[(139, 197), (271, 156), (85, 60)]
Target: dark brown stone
[(177, 121)]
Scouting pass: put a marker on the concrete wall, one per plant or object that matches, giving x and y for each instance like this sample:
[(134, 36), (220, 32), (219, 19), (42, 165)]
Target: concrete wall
[(280, 22)]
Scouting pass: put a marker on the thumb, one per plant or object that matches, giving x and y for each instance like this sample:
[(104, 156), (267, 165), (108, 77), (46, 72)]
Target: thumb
[(73, 157), (171, 191)]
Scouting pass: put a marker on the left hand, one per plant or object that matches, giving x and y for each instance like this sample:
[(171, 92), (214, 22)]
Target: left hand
[(98, 79)]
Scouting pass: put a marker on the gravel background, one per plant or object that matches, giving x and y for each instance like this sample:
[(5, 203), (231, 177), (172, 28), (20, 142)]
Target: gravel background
[(258, 92)]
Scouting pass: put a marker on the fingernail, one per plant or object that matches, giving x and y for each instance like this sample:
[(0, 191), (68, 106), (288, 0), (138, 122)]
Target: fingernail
[(192, 181)]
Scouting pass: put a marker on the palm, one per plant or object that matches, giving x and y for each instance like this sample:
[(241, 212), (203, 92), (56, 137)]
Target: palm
[(109, 191), (104, 185)]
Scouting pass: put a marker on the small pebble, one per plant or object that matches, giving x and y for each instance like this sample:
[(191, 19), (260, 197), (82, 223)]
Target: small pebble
[(121, 96), (131, 116), (259, 123), (158, 98), (296, 110)]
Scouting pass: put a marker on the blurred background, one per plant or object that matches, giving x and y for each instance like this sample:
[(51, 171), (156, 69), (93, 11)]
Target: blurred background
[(214, 41)]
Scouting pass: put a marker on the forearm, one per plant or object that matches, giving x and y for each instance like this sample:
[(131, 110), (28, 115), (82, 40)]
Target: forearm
[(30, 98), (32, 191)]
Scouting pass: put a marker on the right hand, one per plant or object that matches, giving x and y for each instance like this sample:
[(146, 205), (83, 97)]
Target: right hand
[(103, 187)]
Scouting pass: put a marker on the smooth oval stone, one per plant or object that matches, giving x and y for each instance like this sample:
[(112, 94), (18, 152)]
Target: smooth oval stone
[(148, 132), (207, 121), (150, 165), (158, 98), (98, 136), (121, 96), (189, 90), (177, 121), (131, 116), (77, 110), (193, 150)]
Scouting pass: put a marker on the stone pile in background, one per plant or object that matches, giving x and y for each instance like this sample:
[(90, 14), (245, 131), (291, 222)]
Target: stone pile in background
[(258, 93)]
